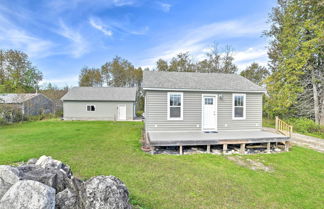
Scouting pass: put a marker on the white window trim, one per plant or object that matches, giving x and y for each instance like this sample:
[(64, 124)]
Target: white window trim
[(181, 107), (90, 110), (244, 107)]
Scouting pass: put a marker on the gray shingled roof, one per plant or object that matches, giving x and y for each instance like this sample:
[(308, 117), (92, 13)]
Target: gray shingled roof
[(198, 81), (100, 94), (15, 98)]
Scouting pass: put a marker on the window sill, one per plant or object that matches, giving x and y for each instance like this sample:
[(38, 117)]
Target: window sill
[(175, 118), (238, 118)]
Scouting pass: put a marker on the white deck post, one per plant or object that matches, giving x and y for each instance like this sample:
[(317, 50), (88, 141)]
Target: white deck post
[(180, 150), (208, 148), (268, 147), (152, 150), (224, 148), (242, 149)]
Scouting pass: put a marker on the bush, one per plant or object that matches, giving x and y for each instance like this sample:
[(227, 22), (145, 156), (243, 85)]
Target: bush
[(307, 126), (40, 117), (139, 113)]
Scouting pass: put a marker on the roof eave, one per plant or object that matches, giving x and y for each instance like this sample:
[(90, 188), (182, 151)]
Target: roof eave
[(211, 90)]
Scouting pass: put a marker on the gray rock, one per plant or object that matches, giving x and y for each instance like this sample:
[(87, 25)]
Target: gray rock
[(66, 200), (32, 161), (28, 194), (4, 187), (9, 174), (103, 192), (72, 197), (49, 162), (49, 176)]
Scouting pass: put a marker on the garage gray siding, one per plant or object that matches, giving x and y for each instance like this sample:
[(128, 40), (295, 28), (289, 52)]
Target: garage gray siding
[(156, 112), (105, 110)]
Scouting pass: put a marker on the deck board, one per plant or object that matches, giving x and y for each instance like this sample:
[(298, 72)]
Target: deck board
[(222, 137)]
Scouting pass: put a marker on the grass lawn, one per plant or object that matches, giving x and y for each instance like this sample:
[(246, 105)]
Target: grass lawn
[(169, 181)]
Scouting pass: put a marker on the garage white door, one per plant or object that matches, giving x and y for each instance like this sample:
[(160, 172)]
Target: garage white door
[(122, 112)]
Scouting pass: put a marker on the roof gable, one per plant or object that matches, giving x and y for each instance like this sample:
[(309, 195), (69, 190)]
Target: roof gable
[(100, 94), (198, 82)]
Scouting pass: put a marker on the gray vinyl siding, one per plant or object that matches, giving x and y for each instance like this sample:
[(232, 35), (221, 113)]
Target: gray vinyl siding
[(156, 112), (105, 110)]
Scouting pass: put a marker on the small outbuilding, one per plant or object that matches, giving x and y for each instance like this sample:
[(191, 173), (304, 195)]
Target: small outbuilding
[(28, 104), (99, 103)]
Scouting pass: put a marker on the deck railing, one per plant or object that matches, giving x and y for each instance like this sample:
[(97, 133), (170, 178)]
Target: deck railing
[(283, 127)]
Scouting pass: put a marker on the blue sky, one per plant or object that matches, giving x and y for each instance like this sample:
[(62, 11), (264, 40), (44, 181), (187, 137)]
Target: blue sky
[(62, 36)]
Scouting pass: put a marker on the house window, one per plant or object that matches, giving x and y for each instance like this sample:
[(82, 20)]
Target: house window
[(238, 106), (91, 108), (175, 106)]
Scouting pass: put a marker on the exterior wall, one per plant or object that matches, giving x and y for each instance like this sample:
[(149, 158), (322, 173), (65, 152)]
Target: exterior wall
[(38, 105), (76, 110), (156, 112)]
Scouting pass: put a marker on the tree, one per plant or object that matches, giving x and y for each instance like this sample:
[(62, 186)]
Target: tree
[(90, 77), (162, 65), (296, 58), (17, 74), (121, 73), (182, 63), (55, 93), (214, 62), (255, 73)]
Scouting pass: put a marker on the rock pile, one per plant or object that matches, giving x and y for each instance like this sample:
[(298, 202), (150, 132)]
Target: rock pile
[(46, 183)]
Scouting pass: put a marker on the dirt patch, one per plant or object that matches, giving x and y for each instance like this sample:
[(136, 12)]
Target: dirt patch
[(251, 164)]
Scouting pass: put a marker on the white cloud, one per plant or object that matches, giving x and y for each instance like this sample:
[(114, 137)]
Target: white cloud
[(62, 81), (125, 27), (164, 6), (14, 37), (79, 45), (120, 3), (254, 54), (99, 26), (196, 40)]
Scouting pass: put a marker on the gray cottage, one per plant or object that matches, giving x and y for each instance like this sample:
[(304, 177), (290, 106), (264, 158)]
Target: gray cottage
[(184, 108), (28, 104), (99, 103)]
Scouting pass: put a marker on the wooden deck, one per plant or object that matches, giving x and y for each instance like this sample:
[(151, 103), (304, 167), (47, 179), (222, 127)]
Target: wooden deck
[(159, 139)]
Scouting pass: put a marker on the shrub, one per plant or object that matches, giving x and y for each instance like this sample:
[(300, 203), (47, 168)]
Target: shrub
[(305, 125), (139, 113)]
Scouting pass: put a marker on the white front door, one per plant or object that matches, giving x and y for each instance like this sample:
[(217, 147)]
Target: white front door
[(122, 112), (209, 113)]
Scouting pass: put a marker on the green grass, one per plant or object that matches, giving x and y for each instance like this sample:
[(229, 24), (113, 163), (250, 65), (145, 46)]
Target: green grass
[(169, 181), (301, 125)]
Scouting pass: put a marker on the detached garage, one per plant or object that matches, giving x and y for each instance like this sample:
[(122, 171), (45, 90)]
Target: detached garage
[(99, 103)]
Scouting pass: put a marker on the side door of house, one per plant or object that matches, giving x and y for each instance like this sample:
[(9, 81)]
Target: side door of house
[(209, 112), (122, 112)]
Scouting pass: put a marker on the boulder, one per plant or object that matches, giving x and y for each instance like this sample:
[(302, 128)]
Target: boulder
[(71, 197), (28, 194), (4, 187), (46, 183), (67, 200), (32, 161), (9, 174), (49, 176), (49, 162), (103, 192)]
